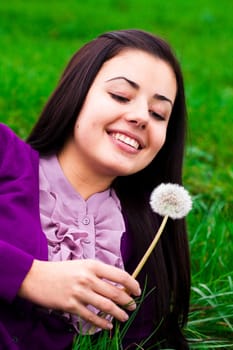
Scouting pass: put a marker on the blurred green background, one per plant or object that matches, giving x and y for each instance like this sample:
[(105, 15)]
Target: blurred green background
[(38, 37)]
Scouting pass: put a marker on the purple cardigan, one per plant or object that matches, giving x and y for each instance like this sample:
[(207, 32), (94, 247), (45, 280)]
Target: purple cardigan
[(23, 325)]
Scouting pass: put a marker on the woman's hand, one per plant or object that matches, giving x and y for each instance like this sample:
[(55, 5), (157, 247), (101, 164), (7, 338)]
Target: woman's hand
[(71, 285)]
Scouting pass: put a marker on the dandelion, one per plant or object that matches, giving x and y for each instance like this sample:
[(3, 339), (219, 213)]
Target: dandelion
[(171, 200), (167, 200)]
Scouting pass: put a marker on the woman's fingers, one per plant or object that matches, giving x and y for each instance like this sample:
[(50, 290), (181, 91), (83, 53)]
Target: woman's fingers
[(95, 319), (104, 304), (115, 293), (118, 276), (102, 280), (102, 294), (72, 285)]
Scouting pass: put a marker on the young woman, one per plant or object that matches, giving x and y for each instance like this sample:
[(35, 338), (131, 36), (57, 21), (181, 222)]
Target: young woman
[(74, 201)]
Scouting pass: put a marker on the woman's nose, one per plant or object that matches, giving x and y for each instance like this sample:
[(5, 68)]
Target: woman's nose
[(138, 123), (139, 117)]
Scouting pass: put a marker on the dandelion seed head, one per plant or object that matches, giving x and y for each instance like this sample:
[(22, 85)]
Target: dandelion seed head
[(172, 200)]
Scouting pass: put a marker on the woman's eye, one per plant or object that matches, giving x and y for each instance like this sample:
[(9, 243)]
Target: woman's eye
[(119, 98), (157, 115)]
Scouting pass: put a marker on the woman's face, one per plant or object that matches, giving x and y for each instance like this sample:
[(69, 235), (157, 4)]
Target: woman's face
[(123, 122)]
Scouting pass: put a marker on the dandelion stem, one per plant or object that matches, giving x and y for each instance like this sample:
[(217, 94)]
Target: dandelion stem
[(141, 263), (151, 248)]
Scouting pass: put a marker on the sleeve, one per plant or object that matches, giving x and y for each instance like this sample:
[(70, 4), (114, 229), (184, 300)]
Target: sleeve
[(17, 208), (14, 265)]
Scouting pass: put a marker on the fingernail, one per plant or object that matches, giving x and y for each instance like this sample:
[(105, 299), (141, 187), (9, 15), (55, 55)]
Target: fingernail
[(125, 317), (109, 325), (132, 306)]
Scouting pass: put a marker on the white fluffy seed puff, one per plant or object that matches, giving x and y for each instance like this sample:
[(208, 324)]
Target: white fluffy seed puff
[(171, 200)]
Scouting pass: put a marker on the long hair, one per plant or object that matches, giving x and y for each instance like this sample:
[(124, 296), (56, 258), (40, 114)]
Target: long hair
[(168, 269)]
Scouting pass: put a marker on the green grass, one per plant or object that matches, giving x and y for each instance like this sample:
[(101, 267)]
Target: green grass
[(210, 323), (211, 315), (38, 37)]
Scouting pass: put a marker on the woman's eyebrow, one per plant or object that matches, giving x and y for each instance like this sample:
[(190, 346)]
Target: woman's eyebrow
[(162, 98), (136, 86), (130, 82)]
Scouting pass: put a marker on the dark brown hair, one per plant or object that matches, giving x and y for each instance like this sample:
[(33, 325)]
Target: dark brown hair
[(168, 270)]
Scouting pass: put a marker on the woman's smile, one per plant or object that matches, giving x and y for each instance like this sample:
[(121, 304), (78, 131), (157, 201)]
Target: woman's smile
[(123, 122), (127, 141)]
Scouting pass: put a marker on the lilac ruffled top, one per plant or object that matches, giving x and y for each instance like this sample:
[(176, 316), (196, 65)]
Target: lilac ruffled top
[(76, 228)]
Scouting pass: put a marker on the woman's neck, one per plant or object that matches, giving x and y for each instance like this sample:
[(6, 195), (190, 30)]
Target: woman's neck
[(84, 180)]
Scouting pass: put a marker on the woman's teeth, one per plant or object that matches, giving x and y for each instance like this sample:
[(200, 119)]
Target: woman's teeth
[(126, 139)]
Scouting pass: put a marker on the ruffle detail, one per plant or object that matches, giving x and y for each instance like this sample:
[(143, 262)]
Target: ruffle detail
[(79, 229)]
